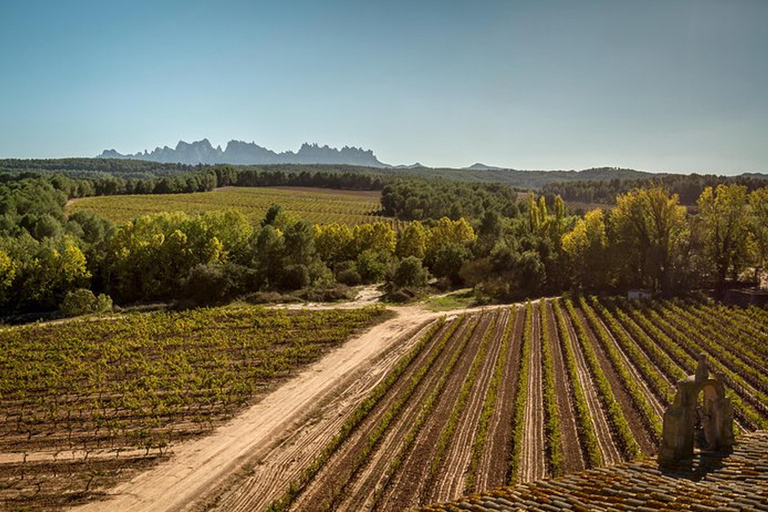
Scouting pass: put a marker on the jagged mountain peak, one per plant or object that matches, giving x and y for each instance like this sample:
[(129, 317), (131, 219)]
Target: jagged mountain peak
[(244, 153)]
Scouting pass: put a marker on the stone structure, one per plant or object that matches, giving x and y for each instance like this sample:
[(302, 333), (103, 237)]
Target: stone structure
[(688, 423)]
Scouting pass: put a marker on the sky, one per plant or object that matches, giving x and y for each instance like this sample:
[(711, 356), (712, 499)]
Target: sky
[(659, 85)]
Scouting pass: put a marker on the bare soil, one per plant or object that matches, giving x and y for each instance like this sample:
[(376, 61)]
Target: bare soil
[(338, 470), (495, 460), (608, 449), (533, 464), (408, 487), (450, 481), (572, 457), (628, 407)]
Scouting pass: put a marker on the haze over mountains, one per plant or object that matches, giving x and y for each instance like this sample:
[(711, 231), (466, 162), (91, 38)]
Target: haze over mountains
[(250, 153)]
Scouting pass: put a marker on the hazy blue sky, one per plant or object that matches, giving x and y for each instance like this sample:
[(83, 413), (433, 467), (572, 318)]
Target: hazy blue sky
[(665, 85)]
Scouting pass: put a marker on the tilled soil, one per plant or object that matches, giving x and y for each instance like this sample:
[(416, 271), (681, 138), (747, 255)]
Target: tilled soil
[(451, 478), (628, 408), (338, 470), (609, 451), (407, 487), (495, 459), (533, 464), (572, 457)]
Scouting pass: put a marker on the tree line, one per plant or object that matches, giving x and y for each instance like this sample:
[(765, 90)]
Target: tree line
[(688, 188), (503, 245)]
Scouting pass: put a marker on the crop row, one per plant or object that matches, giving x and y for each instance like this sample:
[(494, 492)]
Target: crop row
[(639, 398), (551, 413), (626, 439), (586, 428), (115, 388)]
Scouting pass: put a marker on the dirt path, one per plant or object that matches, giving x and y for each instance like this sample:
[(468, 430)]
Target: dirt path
[(198, 469), (573, 459), (533, 465), (608, 450)]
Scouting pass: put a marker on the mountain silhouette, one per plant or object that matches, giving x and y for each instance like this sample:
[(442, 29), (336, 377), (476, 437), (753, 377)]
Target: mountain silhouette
[(250, 153)]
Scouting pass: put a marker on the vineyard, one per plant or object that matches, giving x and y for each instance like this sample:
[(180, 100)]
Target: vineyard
[(85, 403), (319, 206), (512, 395)]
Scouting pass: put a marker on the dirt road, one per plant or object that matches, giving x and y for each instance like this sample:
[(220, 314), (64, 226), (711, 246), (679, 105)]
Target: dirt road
[(290, 416)]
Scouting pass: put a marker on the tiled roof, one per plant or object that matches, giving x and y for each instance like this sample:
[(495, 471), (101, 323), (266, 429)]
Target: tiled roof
[(738, 481)]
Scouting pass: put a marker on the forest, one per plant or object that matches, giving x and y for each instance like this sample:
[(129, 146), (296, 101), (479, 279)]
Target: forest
[(504, 244)]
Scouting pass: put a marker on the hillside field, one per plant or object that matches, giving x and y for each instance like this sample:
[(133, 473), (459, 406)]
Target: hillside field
[(86, 401), (518, 394), (316, 205), (466, 403)]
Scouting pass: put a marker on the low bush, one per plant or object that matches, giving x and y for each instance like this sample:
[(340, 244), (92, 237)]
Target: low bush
[(82, 301)]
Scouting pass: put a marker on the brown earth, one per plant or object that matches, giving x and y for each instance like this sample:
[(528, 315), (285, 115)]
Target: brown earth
[(338, 470), (572, 457), (628, 407), (496, 455), (608, 449), (533, 463), (408, 486), (450, 480)]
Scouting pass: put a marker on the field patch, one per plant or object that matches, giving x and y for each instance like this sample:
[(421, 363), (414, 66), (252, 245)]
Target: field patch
[(84, 402), (316, 205), (509, 396)]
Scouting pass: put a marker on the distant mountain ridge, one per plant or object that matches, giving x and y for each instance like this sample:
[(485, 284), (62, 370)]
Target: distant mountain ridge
[(249, 153)]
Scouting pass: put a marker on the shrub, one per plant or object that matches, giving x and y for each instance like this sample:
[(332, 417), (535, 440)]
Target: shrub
[(206, 284), (373, 266), (295, 277), (329, 294), (410, 273), (346, 273), (82, 302)]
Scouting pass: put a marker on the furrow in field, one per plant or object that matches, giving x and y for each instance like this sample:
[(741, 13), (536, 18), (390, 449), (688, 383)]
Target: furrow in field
[(633, 416), (449, 483), (492, 469), (406, 487), (609, 451), (673, 345), (321, 491), (655, 401), (533, 465), (284, 462), (359, 495), (573, 459)]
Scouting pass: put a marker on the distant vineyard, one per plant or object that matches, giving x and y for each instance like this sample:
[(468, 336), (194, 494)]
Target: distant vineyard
[(84, 401), (314, 205), (514, 395)]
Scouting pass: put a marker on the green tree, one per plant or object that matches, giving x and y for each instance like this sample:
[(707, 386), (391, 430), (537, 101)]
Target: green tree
[(376, 237), (57, 267), (448, 232), (410, 272), (725, 217), (648, 227), (7, 275), (759, 225), (334, 242), (412, 241), (586, 248)]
